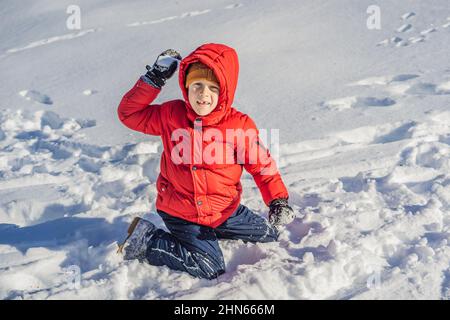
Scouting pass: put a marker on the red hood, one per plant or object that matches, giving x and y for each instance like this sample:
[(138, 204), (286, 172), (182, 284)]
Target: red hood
[(224, 62)]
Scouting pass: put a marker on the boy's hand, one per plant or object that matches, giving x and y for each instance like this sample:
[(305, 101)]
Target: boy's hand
[(164, 67), (280, 212)]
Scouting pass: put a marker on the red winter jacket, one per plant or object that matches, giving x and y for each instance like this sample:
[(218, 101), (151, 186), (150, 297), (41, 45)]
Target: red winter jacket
[(196, 189)]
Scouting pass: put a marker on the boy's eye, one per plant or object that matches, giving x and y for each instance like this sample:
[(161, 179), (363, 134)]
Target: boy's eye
[(199, 85)]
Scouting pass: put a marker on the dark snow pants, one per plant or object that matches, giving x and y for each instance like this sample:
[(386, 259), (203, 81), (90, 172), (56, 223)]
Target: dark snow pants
[(195, 249)]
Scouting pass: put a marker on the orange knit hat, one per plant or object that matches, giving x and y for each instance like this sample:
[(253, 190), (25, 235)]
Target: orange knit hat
[(197, 71)]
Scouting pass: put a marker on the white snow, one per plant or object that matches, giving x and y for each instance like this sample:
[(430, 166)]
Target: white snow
[(404, 28), (89, 92), (33, 95), (364, 119), (50, 40), (408, 15)]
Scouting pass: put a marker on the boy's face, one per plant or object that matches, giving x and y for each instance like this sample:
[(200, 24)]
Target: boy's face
[(203, 96)]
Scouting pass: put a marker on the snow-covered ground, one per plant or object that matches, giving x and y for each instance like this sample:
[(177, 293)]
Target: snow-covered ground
[(364, 119)]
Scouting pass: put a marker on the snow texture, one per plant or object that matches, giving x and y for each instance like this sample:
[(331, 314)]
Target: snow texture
[(364, 118)]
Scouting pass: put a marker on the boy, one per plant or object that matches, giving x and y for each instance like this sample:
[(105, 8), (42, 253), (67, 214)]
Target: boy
[(198, 189)]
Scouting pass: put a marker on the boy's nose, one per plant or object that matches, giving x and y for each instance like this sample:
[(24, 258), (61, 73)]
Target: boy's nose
[(204, 91)]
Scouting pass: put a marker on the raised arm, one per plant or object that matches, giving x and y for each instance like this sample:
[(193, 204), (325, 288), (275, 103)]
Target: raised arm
[(135, 109)]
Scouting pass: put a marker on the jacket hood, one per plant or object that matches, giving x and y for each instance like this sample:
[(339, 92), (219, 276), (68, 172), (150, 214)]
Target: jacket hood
[(223, 60)]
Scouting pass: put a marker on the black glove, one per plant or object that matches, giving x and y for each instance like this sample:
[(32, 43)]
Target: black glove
[(280, 212), (164, 67)]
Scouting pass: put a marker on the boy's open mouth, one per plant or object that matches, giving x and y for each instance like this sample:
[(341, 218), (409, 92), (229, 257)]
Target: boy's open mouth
[(203, 103)]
